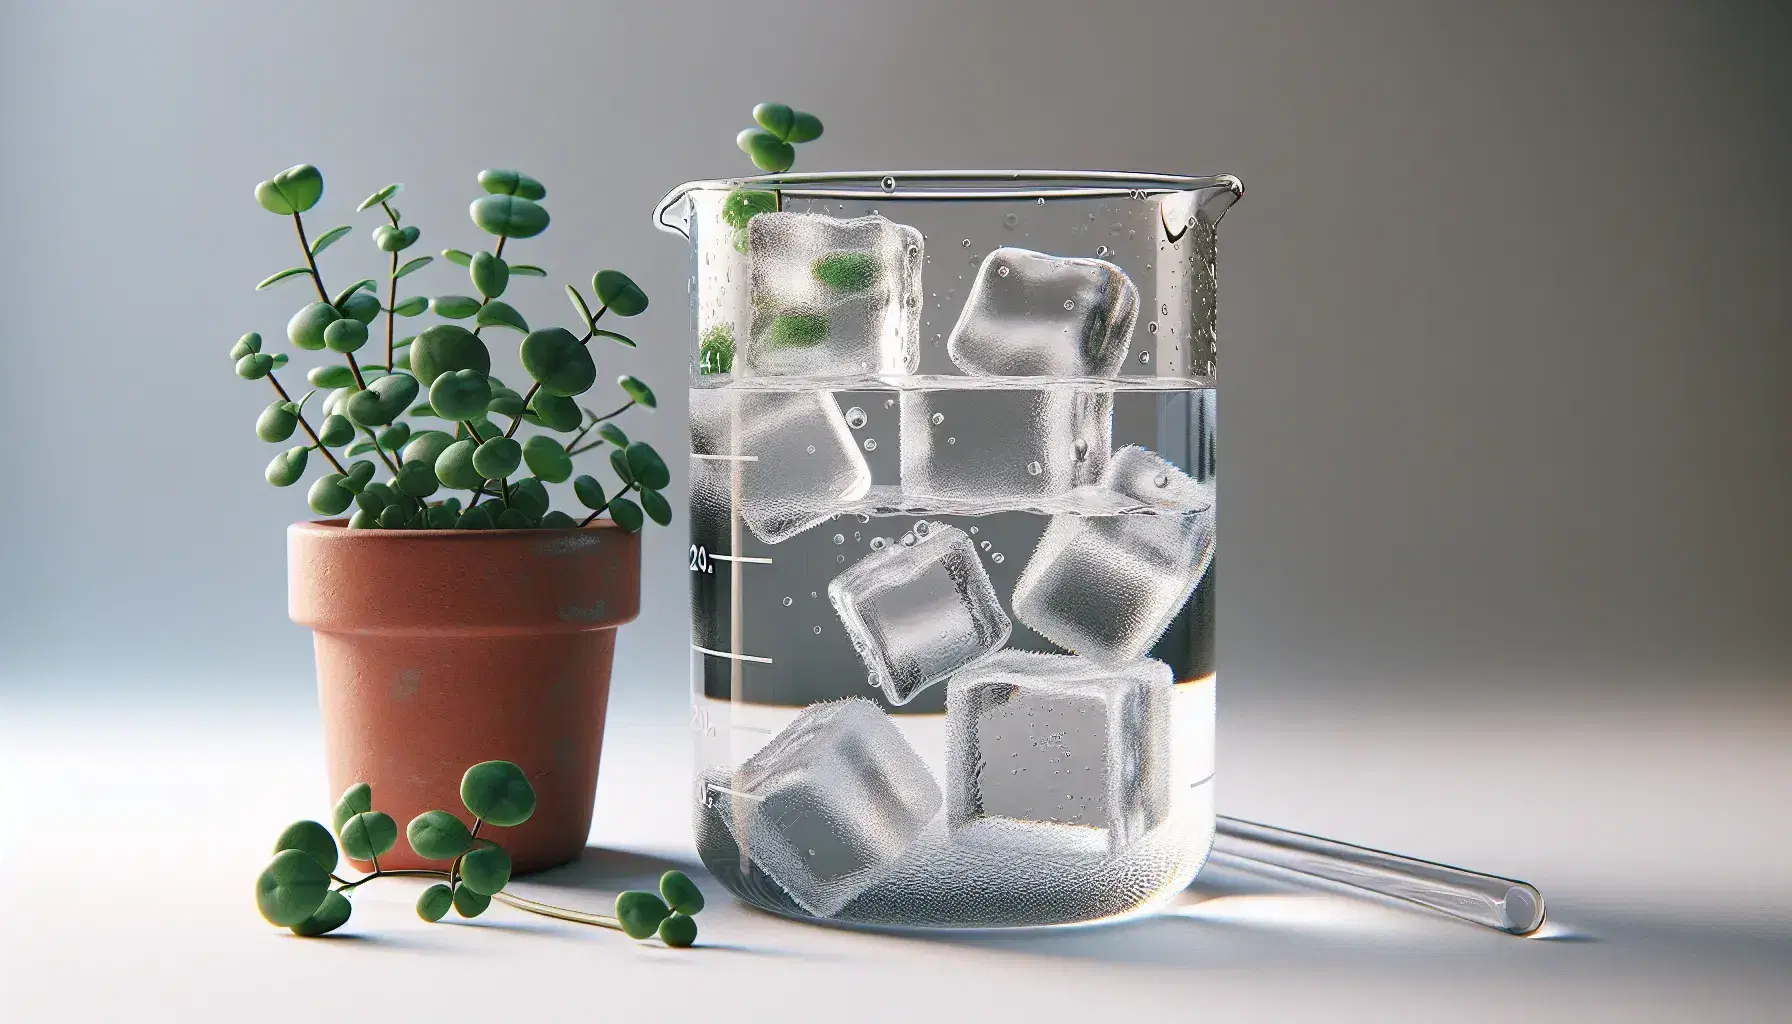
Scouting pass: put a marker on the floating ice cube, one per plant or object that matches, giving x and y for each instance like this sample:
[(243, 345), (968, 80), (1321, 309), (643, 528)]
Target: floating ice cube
[(917, 613), (786, 459), (833, 297), (1106, 587), (831, 802), (1013, 445), (1059, 739), (1030, 314)]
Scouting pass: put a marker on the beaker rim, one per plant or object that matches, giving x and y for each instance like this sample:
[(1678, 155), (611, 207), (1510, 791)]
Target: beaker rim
[(938, 185)]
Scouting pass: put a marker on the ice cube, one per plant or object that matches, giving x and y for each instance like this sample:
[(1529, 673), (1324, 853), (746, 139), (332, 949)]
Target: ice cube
[(1106, 587), (833, 297), (1060, 739), (785, 459), (1013, 445), (831, 802), (1031, 314), (917, 613)]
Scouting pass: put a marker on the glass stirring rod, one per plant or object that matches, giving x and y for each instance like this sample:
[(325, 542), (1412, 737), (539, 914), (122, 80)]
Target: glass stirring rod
[(1502, 903)]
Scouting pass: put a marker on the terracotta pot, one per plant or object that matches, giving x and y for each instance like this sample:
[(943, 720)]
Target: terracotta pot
[(438, 649)]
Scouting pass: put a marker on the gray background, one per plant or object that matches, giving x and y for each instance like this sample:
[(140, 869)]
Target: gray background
[(1503, 315)]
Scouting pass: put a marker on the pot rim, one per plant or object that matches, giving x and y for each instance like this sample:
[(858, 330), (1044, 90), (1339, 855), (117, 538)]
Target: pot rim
[(341, 526)]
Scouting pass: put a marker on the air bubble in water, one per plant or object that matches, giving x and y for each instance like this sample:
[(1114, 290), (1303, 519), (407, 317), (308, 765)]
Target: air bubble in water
[(1041, 200), (921, 527), (1010, 220), (837, 558), (890, 403), (1102, 250), (937, 418), (811, 449), (951, 440), (1153, 327), (1001, 271), (1068, 304), (973, 531), (1144, 357), (839, 538), (788, 602), (889, 184), (996, 558), (1165, 309), (855, 417), (908, 540), (966, 243), (1115, 228), (986, 545), (871, 444), (1034, 469), (817, 630), (878, 543), (1082, 450), (913, 251), (1161, 480)]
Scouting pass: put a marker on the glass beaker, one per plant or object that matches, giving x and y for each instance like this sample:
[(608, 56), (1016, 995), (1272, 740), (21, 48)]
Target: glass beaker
[(952, 531)]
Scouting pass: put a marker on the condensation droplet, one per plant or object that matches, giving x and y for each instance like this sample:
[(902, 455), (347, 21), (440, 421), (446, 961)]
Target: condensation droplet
[(889, 183), (1041, 200), (811, 449), (973, 531), (818, 628), (837, 558), (1069, 304), (996, 558), (871, 444), (788, 602), (878, 543), (908, 540), (855, 417), (937, 418), (1144, 357), (1161, 480), (913, 251), (1001, 271), (839, 538), (1102, 250), (985, 545), (966, 243), (890, 403), (1152, 327), (1164, 309), (1034, 469), (951, 440), (1009, 220), (1082, 450)]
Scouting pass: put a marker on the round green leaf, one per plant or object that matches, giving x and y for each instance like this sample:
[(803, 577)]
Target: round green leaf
[(395, 239), (254, 366), (846, 271), (328, 238), (412, 306), (454, 307), (345, 335), (379, 197), (797, 330), (769, 153), (362, 520), (804, 128), (505, 402), (590, 493), (294, 190), (393, 437), (374, 498), (413, 266), (626, 514), (369, 833), (498, 792), (557, 412), (559, 361), (547, 459), (638, 390), (440, 517), (509, 216), (511, 519), (497, 457), (417, 479), (276, 423), (474, 519), (613, 434), (619, 463), (468, 903), (460, 394), (646, 466), (486, 869), (332, 376), (309, 838), (433, 905), (529, 497), (454, 467), (438, 835), (742, 205), (775, 118), (358, 475), (490, 274), (287, 467), (446, 347), (678, 931), (511, 183), (356, 799), (361, 307), (640, 913), (328, 496), (394, 517), (306, 328), (558, 520), (501, 314), (245, 345), (654, 504), (617, 291), (279, 361), (336, 430), (290, 888), (384, 400), (681, 893), (330, 915), (362, 447), (457, 256), (426, 446)]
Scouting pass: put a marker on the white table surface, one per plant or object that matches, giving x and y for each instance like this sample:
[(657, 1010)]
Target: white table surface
[(132, 832)]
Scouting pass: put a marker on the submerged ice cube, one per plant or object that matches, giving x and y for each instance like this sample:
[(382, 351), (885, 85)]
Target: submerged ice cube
[(1031, 314), (1106, 587), (1006, 445), (917, 613), (1059, 739), (833, 297), (786, 459), (831, 802)]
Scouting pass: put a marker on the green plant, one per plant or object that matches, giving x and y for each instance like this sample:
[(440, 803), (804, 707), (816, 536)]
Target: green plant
[(300, 889), (772, 147), (443, 371)]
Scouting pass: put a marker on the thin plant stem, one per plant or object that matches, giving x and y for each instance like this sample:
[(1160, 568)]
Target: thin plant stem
[(590, 332), (580, 436), (514, 902), (378, 450), (392, 291), (317, 279), (284, 397)]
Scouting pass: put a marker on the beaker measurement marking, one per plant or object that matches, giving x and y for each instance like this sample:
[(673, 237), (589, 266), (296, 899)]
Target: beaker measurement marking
[(727, 458), (732, 657), (742, 558)]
